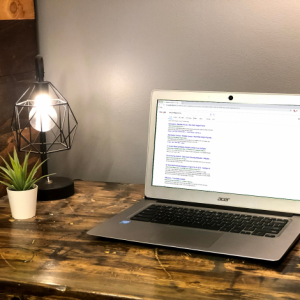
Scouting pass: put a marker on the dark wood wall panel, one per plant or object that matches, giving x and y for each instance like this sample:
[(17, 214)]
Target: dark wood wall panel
[(11, 88), (18, 48)]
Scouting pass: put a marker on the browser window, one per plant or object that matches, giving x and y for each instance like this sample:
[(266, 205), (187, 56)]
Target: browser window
[(235, 148)]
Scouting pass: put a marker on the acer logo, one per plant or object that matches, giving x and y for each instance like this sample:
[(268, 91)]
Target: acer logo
[(223, 199)]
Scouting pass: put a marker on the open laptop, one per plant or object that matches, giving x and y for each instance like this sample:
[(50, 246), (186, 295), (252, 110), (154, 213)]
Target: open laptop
[(222, 175)]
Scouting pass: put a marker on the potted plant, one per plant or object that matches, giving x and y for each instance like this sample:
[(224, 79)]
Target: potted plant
[(21, 187)]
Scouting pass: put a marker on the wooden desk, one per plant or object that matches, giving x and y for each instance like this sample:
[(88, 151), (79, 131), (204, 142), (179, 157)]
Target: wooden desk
[(52, 257)]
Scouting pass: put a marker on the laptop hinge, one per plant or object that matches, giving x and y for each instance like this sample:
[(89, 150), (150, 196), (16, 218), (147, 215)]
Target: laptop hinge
[(247, 210)]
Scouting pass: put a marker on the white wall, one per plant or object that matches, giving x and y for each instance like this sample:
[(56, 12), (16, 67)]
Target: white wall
[(105, 57)]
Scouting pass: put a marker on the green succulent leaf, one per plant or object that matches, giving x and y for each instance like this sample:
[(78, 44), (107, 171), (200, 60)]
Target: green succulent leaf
[(5, 176), (16, 174), (25, 167), (7, 165), (5, 183), (6, 171)]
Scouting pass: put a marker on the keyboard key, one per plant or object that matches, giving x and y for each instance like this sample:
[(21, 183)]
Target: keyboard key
[(281, 221), (269, 231), (152, 207), (271, 227), (258, 226), (146, 213), (236, 230), (250, 228), (270, 235), (141, 219), (258, 233), (225, 229), (279, 224), (160, 221)]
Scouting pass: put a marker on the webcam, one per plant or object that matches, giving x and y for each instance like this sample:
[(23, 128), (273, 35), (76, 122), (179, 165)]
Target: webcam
[(230, 97)]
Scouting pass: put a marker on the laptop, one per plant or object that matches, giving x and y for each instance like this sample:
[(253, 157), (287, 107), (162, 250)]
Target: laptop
[(222, 175)]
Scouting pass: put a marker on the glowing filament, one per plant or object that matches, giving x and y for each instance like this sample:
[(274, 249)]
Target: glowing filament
[(43, 114)]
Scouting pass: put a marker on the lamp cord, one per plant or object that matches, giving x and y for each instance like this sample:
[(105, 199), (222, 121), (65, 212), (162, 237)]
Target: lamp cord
[(39, 72), (39, 68)]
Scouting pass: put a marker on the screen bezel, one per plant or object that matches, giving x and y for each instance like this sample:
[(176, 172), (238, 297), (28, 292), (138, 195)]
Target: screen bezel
[(204, 197)]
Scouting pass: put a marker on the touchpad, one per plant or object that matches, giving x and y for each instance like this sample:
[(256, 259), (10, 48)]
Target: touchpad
[(185, 237)]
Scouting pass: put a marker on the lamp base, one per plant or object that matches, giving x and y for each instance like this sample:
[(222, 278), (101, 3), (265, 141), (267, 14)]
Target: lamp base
[(55, 188)]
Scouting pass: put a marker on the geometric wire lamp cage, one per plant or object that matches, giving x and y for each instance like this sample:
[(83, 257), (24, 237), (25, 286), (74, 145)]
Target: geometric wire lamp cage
[(39, 113), (44, 123)]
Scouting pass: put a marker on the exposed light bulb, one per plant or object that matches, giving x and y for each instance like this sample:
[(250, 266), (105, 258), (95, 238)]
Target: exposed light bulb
[(44, 114)]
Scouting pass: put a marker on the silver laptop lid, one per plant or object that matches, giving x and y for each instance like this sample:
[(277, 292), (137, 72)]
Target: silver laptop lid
[(234, 149)]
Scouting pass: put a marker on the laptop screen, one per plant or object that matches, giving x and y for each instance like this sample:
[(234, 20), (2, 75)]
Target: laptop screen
[(236, 148)]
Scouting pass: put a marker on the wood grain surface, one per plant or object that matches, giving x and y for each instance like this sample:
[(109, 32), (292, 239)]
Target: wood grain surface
[(51, 257), (16, 9), (18, 48)]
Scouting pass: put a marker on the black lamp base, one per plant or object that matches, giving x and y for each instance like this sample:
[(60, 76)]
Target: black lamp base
[(55, 188)]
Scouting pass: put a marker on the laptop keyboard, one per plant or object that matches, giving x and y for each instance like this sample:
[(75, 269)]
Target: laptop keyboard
[(212, 220)]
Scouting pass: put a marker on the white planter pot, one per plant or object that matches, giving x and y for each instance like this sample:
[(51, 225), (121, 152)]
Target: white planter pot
[(23, 203)]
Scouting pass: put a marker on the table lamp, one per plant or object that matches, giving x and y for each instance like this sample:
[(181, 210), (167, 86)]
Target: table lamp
[(44, 123)]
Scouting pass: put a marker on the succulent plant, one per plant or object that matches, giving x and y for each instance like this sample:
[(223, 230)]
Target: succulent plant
[(16, 175)]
